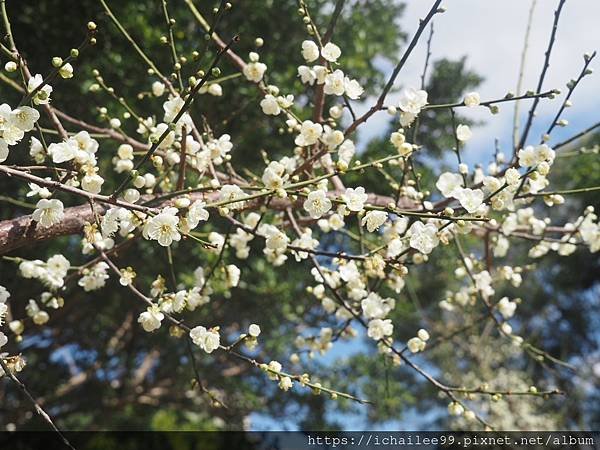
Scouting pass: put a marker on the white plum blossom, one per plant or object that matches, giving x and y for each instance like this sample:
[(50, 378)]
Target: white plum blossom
[(66, 71), (4, 294), (214, 89), (412, 100), (483, 283), (180, 179), (94, 277), (501, 247), (374, 219), (512, 177), (4, 151), (463, 133), (42, 96), (506, 307), (11, 134), (286, 383), (207, 340), (160, 130), (307, 75), (274, 369), (346, 151), (163, 227), (36, 150), (310, 51), (233, 195), (423, 237), (92, 182), (332, 138), (317, 204), (24, 118), (254, 330), (310, 133), (39, 316), (233, 275), (470, 199), (57, 267), (394, 248), (305, 241), (331, 52), (355, 198), (172, 108), (276, 240), (255, 71), (334, 83), (527, 157), (63, 151), (455, 409), (449, 183), (219, 148), (416, 345), (273, 176), (380, 328), (472, 99), (398, 140), (196, 214), (270, 106), (336, 112), (375, 307), (48, 212), (217, 240), (151, 318), (423, 334), (531, 156), (336, 222), (320, 73), (353, 89), (158, 89)]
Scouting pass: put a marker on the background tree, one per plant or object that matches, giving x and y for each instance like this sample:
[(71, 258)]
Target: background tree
[(102, 370)]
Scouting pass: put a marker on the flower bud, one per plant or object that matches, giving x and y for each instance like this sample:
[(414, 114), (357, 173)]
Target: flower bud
[(10, 66)]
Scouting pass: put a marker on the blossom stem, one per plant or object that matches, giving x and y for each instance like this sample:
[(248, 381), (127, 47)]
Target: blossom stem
[(541, 79), (493, 102), (572, 86), (563, 192)]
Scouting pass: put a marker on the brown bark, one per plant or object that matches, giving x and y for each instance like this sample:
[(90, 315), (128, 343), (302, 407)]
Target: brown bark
[(22, 231)]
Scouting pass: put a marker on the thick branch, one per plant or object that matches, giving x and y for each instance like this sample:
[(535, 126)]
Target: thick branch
[(22, 231)]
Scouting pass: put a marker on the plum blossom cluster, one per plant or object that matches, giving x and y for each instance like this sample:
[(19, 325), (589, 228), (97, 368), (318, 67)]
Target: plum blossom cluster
[(333, 82), (180, 187), (17, 363), (14, 123)]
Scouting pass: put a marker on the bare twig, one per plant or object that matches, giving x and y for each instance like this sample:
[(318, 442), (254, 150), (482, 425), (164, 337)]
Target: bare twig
[(380, 101), (541, 79), (522, 72), (31, 398)]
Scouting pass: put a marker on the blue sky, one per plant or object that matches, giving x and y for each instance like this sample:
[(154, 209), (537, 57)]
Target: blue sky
[(491, 34)]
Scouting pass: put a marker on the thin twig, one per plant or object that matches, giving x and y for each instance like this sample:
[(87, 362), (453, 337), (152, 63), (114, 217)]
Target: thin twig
[(522, 72), (541, 79), (31, 398), (380, 101)]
